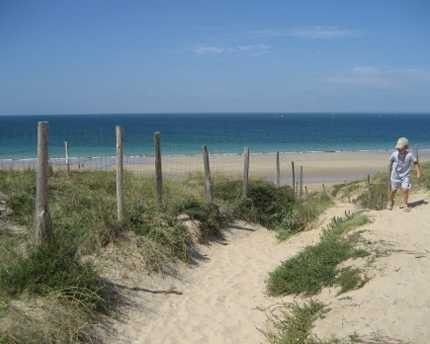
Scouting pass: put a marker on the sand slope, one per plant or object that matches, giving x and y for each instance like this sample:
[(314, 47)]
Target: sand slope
[(395, 303), (223, 297)]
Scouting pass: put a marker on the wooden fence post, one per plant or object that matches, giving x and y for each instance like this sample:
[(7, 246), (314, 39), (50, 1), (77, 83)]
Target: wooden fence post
[(119, 173), (368, 180), (301, 181), (66, 156), (293, 176), (158, 170), (42, 220), (306, 191), (390, 167), (245, 171), (208, 179), (324, 189), (278, 170)]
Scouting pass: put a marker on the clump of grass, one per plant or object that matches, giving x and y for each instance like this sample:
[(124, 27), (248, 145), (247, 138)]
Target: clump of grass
[(54, 267), (425, 180), (209, 216), (265, 203), (273, 207), (374, 197), (167, 233), (316, 266), (302, 213), (294, 324), (48, 295), (345, 189), (349, 278), (51, 320), (20, 189)]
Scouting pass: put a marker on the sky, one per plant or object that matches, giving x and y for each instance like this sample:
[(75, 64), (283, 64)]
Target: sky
[(102, 56)]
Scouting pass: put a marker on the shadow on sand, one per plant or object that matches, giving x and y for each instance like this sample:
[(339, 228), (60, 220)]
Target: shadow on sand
[(415, 204)]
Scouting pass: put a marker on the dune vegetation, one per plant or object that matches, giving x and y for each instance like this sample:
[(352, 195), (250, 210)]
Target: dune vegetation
[(56, 294), (317, 266)]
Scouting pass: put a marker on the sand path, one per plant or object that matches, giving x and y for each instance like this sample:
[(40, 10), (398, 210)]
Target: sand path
[(222, 296)]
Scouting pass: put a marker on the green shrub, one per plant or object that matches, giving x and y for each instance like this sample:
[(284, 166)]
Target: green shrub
[(316, 266), (265, 203)]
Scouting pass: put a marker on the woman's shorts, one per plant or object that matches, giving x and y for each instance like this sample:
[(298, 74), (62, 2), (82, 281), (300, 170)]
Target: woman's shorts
[(404, 183)]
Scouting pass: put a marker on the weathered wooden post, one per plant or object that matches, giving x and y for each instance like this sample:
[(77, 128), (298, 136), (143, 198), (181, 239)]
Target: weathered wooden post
[(158, 171), (119, 173), (66, 156), (301, 181), (306, 191), (42, 220), (245, 171), (368, 180), (278, 170), (208, 179), (390, 167), (293, 177), (324, 189)]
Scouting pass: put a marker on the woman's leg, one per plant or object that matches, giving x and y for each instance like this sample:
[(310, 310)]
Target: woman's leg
[(392, 196), (406, 197)]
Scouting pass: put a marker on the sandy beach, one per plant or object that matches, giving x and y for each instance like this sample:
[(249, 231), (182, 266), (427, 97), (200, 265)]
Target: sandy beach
[(319, 167)]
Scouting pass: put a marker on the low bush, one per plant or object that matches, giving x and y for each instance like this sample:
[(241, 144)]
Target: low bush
[(210, 217), (265, 203), (271, 206), (316, 266)]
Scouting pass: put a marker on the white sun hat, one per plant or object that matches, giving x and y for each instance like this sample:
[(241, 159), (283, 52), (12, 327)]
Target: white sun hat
[(402, 142)]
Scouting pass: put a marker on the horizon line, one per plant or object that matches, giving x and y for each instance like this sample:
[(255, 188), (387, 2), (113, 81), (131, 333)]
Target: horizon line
[(221, 113)]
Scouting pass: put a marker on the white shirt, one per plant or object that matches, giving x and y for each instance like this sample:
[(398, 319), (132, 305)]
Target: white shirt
[(401, 164)]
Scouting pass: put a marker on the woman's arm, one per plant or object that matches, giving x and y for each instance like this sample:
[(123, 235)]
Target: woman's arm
[(418, 169)]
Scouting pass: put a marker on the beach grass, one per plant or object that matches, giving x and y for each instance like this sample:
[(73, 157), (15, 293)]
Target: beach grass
[(317, 266), (294, 323)]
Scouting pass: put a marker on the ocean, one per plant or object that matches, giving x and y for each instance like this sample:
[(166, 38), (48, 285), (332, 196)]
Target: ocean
[(94, 135)]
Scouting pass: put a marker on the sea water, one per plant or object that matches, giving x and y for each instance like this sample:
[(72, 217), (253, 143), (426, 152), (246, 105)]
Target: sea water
[(94, 135)]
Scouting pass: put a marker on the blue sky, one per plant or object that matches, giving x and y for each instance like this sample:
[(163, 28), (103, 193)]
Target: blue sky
[(104, 56)]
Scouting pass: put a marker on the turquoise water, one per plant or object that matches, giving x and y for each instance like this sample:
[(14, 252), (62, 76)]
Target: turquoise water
[(94, 135)]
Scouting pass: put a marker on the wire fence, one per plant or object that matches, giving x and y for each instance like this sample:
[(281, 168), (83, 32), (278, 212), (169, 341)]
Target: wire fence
[(262, 166)]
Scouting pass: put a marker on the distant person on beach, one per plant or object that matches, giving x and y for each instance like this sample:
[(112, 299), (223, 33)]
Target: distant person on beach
[(401, 161)]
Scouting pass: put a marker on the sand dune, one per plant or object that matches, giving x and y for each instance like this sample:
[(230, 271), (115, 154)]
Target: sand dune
[(222, 299)]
